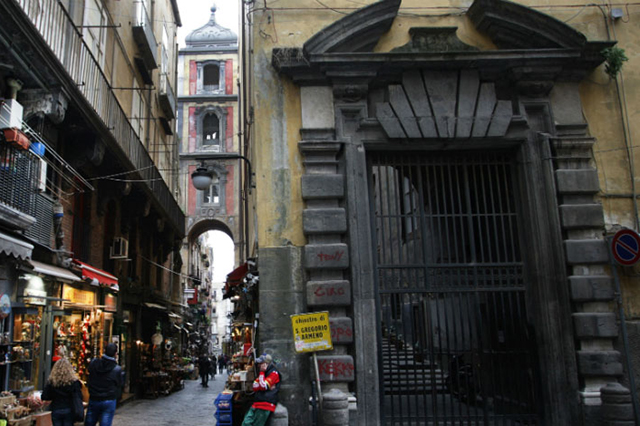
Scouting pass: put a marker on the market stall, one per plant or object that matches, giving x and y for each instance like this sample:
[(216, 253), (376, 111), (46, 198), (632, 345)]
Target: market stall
[(162, 369)]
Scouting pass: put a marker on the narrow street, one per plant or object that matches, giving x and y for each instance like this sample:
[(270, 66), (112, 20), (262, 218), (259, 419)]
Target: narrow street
[(193, 405)]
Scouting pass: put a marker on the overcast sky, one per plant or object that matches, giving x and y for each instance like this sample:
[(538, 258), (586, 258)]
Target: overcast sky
[(196, 13)]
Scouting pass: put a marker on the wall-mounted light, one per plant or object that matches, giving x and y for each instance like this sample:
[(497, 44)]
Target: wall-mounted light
[(202, 178)]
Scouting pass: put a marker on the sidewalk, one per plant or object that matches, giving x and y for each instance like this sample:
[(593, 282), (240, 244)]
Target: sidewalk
[(193, 405)]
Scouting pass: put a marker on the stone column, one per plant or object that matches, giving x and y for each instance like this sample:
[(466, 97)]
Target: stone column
[(326, 256)]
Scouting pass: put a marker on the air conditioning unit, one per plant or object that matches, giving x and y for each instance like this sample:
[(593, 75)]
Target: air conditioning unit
[(119, 248)]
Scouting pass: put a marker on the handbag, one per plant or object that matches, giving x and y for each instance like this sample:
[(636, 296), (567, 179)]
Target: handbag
[(78, 406)]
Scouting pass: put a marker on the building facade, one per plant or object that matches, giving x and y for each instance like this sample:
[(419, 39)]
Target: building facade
[(208, 120), (87, 87), (443, 179)]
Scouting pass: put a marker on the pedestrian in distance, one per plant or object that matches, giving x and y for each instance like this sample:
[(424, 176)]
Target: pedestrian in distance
[(105, 383), (266, 387), (222, 362), (204, 365), (214, 367), (61, 389)]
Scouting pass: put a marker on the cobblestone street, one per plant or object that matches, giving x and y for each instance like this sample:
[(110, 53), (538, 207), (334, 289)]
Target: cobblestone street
[(193, 405)]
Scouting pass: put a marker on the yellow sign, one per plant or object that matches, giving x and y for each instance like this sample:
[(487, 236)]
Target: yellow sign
[(311, 332), (82, 297)]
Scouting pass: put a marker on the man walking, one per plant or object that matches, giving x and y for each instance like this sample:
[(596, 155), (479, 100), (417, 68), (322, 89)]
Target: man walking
[(266, 387), (105, 381), (204, 366)]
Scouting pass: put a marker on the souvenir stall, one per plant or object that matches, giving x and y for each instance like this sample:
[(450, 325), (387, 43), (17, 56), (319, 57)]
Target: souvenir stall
[(162, 369), (79, 329), (242, 289)]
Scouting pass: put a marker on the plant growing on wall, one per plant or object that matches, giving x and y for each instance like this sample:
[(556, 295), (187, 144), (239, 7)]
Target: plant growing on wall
[(614, 59)]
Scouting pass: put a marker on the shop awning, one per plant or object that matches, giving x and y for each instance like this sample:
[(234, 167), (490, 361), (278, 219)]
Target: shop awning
[(236, 276), (54, 271), (14, 247), (102, 277), (154, 306)]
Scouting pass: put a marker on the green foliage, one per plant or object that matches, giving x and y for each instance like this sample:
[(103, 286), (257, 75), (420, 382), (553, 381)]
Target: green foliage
[(614, 59)]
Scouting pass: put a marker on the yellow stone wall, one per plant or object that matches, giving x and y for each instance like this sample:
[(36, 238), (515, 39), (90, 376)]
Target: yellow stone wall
[(289, 23)]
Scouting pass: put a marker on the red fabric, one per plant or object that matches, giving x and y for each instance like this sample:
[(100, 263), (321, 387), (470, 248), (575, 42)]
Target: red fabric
[(236, 276), (194, 299), (264, 406), (90, 272), (263, 384)]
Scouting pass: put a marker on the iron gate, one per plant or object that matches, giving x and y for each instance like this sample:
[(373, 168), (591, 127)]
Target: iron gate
[(456, 347)]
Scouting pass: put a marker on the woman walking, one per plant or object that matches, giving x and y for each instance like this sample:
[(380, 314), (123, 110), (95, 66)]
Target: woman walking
[(61, 388)]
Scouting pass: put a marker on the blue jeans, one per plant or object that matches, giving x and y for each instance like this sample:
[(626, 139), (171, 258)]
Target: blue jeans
[(62, 417), (102, 411)]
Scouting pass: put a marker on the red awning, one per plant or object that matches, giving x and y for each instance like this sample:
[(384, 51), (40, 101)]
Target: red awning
[(102, 277), (236, 276)]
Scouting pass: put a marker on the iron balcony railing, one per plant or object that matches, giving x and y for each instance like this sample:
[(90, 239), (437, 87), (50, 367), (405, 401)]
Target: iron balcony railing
[(42, 230), (58, 31), (19, 178), (143, 34), (167, 97)]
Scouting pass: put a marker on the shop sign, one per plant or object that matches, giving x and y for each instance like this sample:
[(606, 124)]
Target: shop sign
[(110, 303), (41, 300), (74, 295), (311, 332)]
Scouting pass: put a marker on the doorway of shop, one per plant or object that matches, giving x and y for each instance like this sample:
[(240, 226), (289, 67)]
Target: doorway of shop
[(456, 346)]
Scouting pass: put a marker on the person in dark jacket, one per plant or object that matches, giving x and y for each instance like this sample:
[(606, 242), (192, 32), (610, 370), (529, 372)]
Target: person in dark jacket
[(60, 389), (266, 387), (204, 367), (222, 363), (105, 381)]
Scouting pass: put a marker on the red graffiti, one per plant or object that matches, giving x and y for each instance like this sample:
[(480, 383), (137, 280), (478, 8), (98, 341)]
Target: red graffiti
[(338, 333), (327, 257), (336, 368), (329, 291)]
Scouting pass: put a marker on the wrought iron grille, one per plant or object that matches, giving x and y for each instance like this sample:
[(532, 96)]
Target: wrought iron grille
[(19, 176), (456, 345), (42, 230)]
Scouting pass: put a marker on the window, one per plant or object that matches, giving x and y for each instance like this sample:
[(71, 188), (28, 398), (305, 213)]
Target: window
[(211, 196), (166, 51), (211, 77), (210, 130), (94, 31), (137, 111)]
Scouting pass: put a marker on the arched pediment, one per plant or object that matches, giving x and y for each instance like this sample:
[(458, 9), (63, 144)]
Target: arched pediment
[(356, 32), (514, 26)]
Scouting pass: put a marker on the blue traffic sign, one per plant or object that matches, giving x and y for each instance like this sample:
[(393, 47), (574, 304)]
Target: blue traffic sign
[(625, 247)]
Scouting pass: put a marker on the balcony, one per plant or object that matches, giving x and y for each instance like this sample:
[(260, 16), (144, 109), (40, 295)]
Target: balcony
[(143, 35), (86, 80), (19, 177), (167, 97)]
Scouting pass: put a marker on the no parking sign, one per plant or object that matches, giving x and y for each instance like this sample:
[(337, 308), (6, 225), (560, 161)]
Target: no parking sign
[(625, 247)]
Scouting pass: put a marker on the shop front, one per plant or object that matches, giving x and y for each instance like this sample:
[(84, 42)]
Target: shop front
[(160, 365), (25, 333)]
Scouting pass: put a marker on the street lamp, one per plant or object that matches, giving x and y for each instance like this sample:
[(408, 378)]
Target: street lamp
[(202, 178)]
